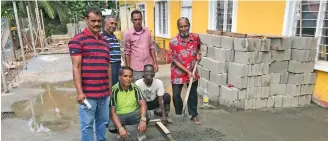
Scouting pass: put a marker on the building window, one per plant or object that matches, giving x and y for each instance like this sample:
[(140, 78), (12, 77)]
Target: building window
[(162, 18), (221, 15), (142, 8), (323, 33), (186, 10)]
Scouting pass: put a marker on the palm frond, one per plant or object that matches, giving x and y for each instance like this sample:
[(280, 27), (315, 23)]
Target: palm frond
[(46, 6)]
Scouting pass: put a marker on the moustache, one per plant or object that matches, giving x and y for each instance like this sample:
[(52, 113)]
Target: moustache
[(96, 26)]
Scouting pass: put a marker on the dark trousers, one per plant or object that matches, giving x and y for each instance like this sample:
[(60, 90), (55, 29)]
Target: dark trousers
[(151, 105), (192, 100), (115, 68)]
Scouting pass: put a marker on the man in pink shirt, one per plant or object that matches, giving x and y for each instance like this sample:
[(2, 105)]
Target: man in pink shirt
[(138, 47)]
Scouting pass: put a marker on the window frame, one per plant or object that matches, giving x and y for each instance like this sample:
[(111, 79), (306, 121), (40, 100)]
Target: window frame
[(290, 27), (212, 15), (157, 30), (145, 15), (187, 7)]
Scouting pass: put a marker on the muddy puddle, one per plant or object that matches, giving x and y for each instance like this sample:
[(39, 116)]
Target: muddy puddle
[(54, 109)]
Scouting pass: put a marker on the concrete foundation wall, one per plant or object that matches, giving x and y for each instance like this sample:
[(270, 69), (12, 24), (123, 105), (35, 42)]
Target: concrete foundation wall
[(261, 73)]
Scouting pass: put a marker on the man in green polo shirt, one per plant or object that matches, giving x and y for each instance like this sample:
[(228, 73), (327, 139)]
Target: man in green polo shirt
[(125, 103)]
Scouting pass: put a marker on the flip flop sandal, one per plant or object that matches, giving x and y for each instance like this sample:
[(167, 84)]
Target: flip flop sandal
[(196, 120)]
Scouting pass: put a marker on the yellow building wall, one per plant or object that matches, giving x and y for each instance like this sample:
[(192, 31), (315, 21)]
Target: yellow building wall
[(320, 91), (199, 16), (260, 17)]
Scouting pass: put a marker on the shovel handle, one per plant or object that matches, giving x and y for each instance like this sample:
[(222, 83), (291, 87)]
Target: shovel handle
[(188, 90)]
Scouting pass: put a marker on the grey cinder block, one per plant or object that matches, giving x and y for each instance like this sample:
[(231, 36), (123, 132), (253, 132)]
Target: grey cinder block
[(242, 94), (256, 69), (281, 43), (313, 53), (266, 80), (210, 52), (205, 73), (270, 102), (250, 93), (206, 39), (257, 44), (248, 104), (278, 67), (300, 55), (215, 66), (238, 69), (203, 83), (265, 68), (287, 101), (244, 57), (300, 67), (238, 82), (307, 89), (243, 44), (275, 78), (219, 79), (309, 78), (203, 48), (295, 101), (278, 101), (284, 77), (293, 90), (213, 88), (265, 92), (258, 81), (224, 55), (227, 42), (265, 45), (228, 93), (295, 78), (304, 100), (250, 81), (216, 41), (266, 57), (304, 42), (277, 89)]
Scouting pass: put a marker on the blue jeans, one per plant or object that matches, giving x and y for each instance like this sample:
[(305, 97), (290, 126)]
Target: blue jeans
[(98, 114), (115, 68)]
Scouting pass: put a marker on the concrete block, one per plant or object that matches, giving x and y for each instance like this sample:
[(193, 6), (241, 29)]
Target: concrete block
[(286, 43), (304, 42), (219, 79), (313, 53), (216, 41), (250, 93), (278, 67), (258, 81), (227, 42), (304, 100), (215, 66), (238, 104), (238, 69), (275, 78), (255, 69), (265, 68), (300, 55), (270, 102), (242, 94), (284, 77), (254, 104), (287, 101), (224, 55), (275, 43), (228, 93), (244, 57), (206, 39), (210, 52), (243, 44), (309, 78), (277, 89), (266, 57), (257, 44), (250, 81), (273, 55), (260, 103), (266, 79), (265, 45), (203, 49), (307, 89), (283, 55), (248, 104), (300, 67), (238, 82), (294, 101), (213, 88), (265, 92), (278, 101), (258, 91), (205, 73), (295, 78), (293, 90), (203, 83)]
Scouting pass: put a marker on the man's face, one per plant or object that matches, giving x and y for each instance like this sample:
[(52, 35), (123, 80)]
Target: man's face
[(93, 22), (183, 28), (137, 21), (149, 74), (110, 25), (126, 78)]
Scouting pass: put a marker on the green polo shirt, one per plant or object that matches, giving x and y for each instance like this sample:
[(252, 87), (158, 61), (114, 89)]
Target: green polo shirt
[(125, 101)]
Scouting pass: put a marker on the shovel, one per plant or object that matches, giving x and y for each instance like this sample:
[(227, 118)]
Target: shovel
[(188, 91)]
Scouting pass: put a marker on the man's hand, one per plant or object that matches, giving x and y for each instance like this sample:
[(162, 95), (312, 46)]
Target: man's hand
[(142, 126), (124, 134), (80, 97), (198, 57), (156, 67), (190, 74)]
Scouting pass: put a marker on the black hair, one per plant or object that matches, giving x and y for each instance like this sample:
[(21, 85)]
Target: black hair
[(182, 19), (148, 65), (120, 72), (93, 9), (135, 12)]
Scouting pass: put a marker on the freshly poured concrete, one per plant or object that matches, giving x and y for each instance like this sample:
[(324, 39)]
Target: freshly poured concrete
[(287, 124)]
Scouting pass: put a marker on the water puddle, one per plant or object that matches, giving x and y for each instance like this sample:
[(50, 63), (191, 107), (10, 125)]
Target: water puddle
[(53, 110)]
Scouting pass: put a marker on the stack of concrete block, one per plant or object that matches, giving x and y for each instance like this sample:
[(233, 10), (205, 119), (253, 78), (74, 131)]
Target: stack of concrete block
[(253, 73)]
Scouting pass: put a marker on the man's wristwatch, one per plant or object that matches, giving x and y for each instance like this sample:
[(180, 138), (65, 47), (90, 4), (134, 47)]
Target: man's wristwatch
[(143, 119)]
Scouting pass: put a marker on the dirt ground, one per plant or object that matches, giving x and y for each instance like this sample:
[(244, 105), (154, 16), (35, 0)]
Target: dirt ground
[(47, 85)]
